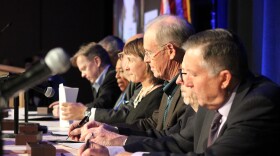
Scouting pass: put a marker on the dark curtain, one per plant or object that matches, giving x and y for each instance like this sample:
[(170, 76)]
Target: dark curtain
[(269, 37), (256, 22)]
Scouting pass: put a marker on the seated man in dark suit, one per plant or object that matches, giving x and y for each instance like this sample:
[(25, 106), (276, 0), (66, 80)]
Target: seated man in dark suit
[(239, 113), (94, 64)]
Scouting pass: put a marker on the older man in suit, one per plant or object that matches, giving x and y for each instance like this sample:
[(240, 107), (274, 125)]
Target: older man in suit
[(239, 113)]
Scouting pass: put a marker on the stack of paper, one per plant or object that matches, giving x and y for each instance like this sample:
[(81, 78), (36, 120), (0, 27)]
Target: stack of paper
[(66, 94)]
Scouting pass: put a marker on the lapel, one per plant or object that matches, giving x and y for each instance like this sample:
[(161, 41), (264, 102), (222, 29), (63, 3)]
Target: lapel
[(205, 117), (240, 94), (161, 112), (130, 89), (175, 101), (167, 89), (108, 76), (204, 121)]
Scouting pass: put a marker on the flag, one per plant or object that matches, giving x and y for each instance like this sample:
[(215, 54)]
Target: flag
[(186, 5), (176, 7), (164, 7)]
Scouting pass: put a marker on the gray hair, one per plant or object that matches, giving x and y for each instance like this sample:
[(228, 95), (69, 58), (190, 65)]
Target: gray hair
[(170, 28), (221, 50), (112, 44)]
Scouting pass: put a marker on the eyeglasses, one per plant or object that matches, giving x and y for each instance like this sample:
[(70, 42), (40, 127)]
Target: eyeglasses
[(181, 74), (151, 54)]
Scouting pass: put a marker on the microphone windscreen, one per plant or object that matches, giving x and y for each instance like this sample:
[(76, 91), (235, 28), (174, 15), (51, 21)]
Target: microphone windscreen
[(49, 92), (58, 61)]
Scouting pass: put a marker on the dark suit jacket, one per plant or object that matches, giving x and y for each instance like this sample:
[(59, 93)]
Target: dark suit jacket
[(175, 111), (138, 136), (130, 91), (252, 127), (108, 92), (129, 114), (156, 120)]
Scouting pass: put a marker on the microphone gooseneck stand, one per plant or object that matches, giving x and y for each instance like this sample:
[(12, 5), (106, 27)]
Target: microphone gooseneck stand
[(3, 104), (16, 105), (26, 103)]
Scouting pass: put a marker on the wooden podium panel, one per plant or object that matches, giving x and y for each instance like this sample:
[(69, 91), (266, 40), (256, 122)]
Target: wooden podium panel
[(21, 101), (10, 147), (11, 69)]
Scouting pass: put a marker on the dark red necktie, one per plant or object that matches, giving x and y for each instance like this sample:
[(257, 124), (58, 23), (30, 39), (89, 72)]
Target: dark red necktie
[(214, 128)]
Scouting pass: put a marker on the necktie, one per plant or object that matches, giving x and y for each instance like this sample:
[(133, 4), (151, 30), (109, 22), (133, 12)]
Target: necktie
[(214, 128), (169, 99), (94, 93)]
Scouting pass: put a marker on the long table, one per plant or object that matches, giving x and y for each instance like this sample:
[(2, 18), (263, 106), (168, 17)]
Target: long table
[(10, 148)]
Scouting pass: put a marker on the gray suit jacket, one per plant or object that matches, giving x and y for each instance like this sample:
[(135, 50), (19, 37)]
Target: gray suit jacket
[(175, 111)]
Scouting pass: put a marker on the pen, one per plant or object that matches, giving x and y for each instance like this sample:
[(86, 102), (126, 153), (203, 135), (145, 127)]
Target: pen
[(88, 142), (81, 123)]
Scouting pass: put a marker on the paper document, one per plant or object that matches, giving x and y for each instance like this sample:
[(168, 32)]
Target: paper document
[(72, 145), (66, 94)]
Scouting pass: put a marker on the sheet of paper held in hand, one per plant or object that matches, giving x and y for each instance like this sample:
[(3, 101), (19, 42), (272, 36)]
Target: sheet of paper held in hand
[(66, 94)]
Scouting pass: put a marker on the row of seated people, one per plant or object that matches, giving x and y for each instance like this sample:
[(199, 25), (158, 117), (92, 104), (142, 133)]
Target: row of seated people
[(209, 104), (141, 103)]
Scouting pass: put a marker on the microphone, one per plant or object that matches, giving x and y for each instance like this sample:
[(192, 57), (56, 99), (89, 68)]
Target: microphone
[(56, 62), (48, 92), (42, 88)]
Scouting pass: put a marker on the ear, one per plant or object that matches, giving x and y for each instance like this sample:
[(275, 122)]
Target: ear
[(226, 77), (97, 61), (171, 50)]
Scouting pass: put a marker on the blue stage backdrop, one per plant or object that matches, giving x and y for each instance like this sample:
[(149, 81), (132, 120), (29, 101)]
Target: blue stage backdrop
[(271, 40), (264, 30)]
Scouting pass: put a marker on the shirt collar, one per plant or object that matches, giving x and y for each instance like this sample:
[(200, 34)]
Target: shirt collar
[(98, 82), (224, 110), (170, 87)]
